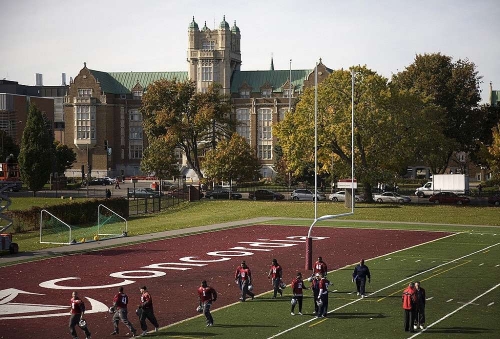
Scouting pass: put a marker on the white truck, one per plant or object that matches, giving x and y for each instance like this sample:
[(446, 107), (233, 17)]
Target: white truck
[(456, 183)]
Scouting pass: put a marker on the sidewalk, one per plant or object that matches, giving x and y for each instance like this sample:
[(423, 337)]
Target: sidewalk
[(116, 242)]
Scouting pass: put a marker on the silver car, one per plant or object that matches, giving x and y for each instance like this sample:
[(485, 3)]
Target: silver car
[(391, 197), (340, 196), (305, 194)]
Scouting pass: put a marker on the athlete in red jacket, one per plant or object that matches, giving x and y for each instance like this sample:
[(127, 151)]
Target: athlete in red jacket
[(77, 311), (207, 295), (297, 287), (409, 305)]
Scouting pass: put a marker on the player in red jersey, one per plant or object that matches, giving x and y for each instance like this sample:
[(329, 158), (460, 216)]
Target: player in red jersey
[(276, 274), (77, 311), (243, 277), (147, 311), (297, 287), (320, 267), (120, 302), (323, 297), (207, 295)]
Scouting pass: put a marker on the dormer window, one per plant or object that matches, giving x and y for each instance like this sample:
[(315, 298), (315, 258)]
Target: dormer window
[(84, 92), (266, 93), (245, 93), (208, 45), (137, 94)]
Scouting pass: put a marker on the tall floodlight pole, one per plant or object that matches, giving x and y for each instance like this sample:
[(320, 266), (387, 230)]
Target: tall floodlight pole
[(290, 89), (309, 246)]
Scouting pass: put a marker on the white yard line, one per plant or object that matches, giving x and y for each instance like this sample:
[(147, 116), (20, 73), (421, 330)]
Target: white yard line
[(451, 313), (393, 284)]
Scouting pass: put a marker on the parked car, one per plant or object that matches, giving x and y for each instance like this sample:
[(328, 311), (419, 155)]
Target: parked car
[(100, 181), (143, 193), (111, 180), (222, 194), (449, 198), (262, 194), (391, 197), (494, 200), (305, 194), (340, 196)]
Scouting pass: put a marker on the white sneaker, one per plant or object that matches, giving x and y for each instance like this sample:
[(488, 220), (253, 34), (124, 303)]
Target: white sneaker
[(145, 333), (415, 327), (156, 329), (357, 293), (421, 327), (300, 313), (291, 313)]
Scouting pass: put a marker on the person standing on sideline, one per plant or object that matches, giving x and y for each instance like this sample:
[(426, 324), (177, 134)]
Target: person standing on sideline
[(297, 287), (361, 272), (323, 297), (77, 311), (147, 311), (244, 279), (320, 267), (315, 289), (420, 296), (207, 295), (276, 274), (409, 304), (120, 302)]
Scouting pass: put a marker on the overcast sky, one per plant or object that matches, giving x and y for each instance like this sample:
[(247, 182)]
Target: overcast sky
[(53, 37)]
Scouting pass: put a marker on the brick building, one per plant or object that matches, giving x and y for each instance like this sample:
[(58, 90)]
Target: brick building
[(103, 107)]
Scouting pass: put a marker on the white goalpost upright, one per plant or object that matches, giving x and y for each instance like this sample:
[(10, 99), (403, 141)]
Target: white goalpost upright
[(350, 185), (110, 223), (53, 230)]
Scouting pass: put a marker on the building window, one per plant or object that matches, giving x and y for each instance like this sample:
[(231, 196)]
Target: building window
[(135, 133), (282, 113), (206, 70), (243, 123), (135, 152), (85, 122), (135, 115), (288, 93), (265, 123), (266, 93), (265, 152), (137, 94), (245, 93), (84, 92), (208, 45)]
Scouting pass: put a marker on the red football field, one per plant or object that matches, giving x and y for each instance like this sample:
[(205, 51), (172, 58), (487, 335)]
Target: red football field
[(34, 297)]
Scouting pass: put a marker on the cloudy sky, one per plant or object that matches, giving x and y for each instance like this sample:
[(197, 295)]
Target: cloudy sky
[(53, 37)]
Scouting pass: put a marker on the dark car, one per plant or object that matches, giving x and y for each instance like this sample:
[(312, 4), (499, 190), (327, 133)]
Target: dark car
[(222, 194), (143, 193), (449, 198), (494, 200), (100, 181), (265, 195)]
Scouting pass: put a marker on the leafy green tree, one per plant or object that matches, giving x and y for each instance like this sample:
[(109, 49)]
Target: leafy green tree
[(390, 128), (454, 86), (494, 150), (65, 157), (233, 159), (159, 158), (37, 150), (189, 120), (8, 146)]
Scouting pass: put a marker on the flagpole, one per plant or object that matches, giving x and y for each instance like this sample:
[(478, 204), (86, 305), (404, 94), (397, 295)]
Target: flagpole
[(290, 92)]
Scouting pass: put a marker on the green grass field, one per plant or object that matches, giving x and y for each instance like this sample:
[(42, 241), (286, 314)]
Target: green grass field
[(461, 273)]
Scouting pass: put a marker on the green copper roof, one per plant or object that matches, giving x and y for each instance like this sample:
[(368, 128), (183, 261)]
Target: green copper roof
[(224, 24), (123, 82), (193, 25), (256, 79)]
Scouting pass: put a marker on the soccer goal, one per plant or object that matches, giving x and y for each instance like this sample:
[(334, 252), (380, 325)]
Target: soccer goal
[(110, 224), (53, 230)]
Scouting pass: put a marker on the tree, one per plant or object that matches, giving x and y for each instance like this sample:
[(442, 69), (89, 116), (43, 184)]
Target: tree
[(390, 128), (65, 157), (189, 120), (37, 150), (454, 86), (494, 150), (8, 146), (159, 158), (233, 159)]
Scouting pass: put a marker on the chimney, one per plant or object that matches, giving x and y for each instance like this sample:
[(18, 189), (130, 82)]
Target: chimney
[(64, 79), (39, 79)]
